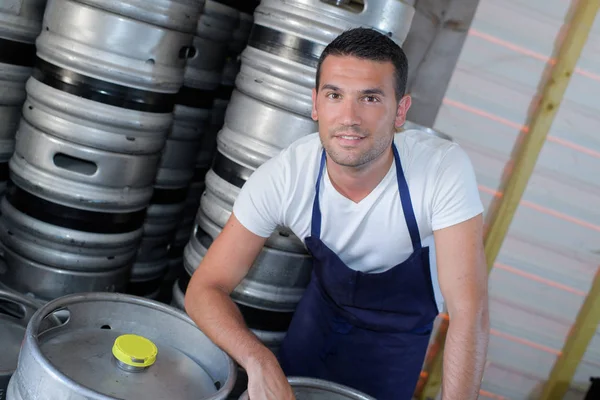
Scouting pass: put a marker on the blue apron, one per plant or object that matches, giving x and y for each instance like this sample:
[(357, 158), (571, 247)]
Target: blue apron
[(366, 331)]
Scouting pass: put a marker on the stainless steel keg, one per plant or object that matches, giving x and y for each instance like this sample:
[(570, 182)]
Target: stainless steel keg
[(50, 250), (100, 100), (15, 312), (276, 280), (115, 346), (271, 105)]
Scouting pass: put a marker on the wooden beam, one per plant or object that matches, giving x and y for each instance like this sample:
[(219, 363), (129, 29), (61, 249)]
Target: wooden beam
[(433, 46), (575, 346), (553, 85)]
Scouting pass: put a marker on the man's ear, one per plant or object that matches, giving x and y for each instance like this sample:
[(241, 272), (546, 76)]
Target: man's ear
[(402, 110), (314, 114)]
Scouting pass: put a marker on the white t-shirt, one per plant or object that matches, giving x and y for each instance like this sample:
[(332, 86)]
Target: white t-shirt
[(369, 236)]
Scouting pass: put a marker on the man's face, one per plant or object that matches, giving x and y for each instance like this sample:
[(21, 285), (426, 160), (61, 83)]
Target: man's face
[(356, 108)]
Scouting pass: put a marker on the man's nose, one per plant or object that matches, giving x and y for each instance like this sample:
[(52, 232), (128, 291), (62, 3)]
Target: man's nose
[(350, 113)]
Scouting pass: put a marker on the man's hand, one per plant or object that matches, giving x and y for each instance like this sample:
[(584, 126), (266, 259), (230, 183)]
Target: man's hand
[(266, 381), (208, 303), (463, 280)]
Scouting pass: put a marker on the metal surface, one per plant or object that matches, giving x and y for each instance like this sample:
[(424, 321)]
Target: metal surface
[(116, 49), (217, 205), (162, 219), (213, 35), (94, 124), (273, 87), (58, 363), (21, 20), (49, 261), (15, 313), (152, 259), (171, 14), (177, 163), (12, 96), (276, 280), (317, 389), (81, 177)]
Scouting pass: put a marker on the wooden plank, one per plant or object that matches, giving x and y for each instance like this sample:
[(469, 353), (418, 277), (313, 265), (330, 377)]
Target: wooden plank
[(575, 346), (554, 82), (433, 46)]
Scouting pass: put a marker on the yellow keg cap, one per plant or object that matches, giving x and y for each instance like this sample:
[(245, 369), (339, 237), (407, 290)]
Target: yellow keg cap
[(135, 351)]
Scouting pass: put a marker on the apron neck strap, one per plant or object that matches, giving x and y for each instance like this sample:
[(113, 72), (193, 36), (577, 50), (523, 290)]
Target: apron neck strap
[(409, 214)]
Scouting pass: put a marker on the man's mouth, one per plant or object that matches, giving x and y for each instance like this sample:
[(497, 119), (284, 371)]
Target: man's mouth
[(348, 137)]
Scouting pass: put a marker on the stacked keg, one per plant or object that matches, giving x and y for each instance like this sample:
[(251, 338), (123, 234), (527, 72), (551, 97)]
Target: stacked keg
[(269, 109), (177, 168), (222, 92), (20, 24), (98, 111), (115, 346)]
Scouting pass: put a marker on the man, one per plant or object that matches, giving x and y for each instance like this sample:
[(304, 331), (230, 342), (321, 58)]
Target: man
[(365, 200)]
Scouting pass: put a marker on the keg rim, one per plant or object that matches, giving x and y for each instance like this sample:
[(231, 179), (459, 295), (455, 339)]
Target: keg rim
[(20, 299), (31, 336), (315, 383)]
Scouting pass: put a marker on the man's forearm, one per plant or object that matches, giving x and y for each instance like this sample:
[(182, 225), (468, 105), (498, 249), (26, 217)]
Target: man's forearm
[(464, 356), (218, 317)]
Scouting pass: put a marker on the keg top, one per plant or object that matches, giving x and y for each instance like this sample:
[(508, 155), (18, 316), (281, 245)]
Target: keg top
[(135, 351), (128, 347)]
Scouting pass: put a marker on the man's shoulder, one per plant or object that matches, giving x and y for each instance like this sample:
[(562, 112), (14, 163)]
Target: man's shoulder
[(424, 147), (301, 152)]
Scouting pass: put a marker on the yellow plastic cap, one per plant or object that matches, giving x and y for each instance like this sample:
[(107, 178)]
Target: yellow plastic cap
[(134, 350)]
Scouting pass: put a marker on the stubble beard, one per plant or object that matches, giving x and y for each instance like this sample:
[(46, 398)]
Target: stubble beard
[(355, 160)]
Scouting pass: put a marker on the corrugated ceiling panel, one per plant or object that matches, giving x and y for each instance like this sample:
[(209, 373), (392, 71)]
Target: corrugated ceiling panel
[(552, 251)]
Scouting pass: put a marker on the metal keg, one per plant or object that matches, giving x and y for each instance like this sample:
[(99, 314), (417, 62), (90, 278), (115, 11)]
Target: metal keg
[(273, 87), (268, 326), (100, 101), (79, 176), (276, 280), (20, 24), (179, 15), (177, 165), (213, 35), (150, 266), (152, 259), (51, 250), (223, 184), (15, 313), (115, 346), (318, 389)]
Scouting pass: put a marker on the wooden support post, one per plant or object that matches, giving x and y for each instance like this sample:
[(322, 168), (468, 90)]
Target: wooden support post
[(568, 47), (575, 346)]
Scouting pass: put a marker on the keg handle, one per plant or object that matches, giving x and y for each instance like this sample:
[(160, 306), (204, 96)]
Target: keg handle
[(187, 52), (337, 2), (20, 306)]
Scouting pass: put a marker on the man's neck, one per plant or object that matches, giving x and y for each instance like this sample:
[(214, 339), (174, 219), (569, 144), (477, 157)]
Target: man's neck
[(356, 183)]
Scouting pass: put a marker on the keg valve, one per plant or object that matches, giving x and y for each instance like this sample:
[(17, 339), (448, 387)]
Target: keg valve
[(134, 353)]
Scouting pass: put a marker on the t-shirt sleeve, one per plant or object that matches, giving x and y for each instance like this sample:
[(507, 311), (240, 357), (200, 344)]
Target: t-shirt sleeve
[(456, 196), (259, 203)]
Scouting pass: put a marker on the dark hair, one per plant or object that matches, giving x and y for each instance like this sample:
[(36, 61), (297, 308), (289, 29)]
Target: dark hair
[(369, 44)]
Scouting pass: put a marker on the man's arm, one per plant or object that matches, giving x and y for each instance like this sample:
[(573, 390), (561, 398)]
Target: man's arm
[(463, 280), (208, 303)]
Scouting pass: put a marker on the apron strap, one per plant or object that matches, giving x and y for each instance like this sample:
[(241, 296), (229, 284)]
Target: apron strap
[(409, 214), (315, 225)]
